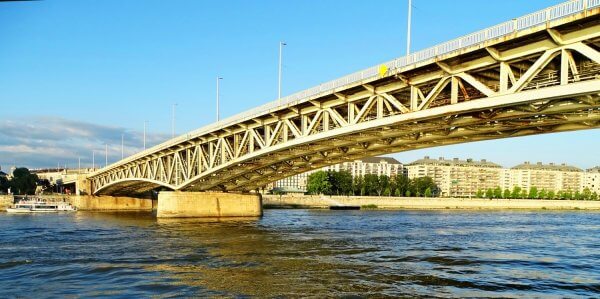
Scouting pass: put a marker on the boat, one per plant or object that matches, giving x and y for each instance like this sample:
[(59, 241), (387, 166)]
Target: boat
[(40, 206)]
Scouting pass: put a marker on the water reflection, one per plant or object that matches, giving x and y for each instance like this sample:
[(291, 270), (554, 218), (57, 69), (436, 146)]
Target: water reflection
[(303, 253)]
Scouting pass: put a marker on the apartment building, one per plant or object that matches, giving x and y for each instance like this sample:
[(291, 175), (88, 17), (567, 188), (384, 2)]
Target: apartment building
[(591, 180), (455, 177), (546, 176)]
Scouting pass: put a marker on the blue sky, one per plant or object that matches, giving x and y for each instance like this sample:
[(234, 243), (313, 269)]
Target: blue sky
[(87, 71)]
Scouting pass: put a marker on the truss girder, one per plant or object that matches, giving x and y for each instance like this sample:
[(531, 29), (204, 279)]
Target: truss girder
[(511, 92)]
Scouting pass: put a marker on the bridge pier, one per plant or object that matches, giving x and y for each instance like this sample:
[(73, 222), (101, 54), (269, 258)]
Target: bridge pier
[(208, 204)]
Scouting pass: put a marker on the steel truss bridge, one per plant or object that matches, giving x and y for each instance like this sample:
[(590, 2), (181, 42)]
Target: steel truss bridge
[(532, 75)]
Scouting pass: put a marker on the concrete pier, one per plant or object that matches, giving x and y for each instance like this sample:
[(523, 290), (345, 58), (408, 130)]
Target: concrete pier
[(208, 204)]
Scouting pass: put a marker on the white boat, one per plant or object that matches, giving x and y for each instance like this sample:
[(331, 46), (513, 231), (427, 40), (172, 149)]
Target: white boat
[(38, 206)]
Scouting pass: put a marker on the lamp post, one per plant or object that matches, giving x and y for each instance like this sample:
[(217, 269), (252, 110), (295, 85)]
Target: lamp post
[(122, 146), (408, 29), (281, 44), (173, 122), (145, 124), (218, 79)]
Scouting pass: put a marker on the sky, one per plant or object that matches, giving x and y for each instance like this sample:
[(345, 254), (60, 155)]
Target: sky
[(76, 75)]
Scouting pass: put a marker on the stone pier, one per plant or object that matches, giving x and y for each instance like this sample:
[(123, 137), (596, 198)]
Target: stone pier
[(208, 204)]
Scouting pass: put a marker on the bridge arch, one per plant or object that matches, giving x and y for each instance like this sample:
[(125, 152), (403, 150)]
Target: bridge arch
[(127, 186)]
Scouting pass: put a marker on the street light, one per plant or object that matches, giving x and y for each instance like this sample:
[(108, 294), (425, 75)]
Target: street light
[(145, 124), (408, 29), (281, 44), (173, 122), (218, 79)]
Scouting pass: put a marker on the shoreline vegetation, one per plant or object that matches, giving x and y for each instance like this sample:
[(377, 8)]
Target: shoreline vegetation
[(422, 203)]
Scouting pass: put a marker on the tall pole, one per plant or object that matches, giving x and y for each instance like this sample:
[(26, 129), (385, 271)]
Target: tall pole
[(105, 154), (408, 30), (218, 114), (122, 146), (281, 44), (145, 124), (173, 122)]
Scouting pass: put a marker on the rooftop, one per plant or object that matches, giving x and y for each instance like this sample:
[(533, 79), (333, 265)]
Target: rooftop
[(551, 166), (455, 162), (387, 160)]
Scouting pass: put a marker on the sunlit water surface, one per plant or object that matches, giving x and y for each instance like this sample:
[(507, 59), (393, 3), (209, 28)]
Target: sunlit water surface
[(293, 253)]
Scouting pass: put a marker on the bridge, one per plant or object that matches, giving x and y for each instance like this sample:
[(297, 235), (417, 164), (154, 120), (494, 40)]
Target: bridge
[(536, 74)]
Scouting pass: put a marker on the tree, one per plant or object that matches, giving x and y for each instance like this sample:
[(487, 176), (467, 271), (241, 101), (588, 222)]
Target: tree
[(506, 193), (498, 192), (341, 182), (357, 185), (371, 184), (586, 194), (489, 193), (417, 186), (551, 194), (407, 194), (594, 196), (577, 195), (568, 194), (383, 183), (524, 193), (23, 182), (479, 193), (318, 183), (543, 193), (387, 192), (428, 192), (397, 192), (516, 192), (4, 185), (533, 193), (400, 183)]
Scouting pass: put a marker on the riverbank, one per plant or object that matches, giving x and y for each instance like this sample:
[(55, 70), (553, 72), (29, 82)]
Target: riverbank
[(398, 203), (92, 203)]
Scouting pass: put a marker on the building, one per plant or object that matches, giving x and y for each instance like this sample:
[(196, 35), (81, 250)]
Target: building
[(359, 167), (546, 177), (591, 180), (457, 178)]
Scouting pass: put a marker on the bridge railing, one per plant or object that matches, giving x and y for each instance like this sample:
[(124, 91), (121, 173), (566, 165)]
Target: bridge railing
[(552, 13)]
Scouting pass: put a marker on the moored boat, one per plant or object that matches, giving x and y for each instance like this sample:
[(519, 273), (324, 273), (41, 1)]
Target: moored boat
[(40, 206)]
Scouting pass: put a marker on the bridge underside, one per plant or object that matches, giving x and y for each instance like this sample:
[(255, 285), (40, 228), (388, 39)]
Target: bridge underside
[(545, 80)]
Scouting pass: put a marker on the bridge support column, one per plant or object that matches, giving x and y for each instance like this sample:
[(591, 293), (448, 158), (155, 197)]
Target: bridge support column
[(208, 204)]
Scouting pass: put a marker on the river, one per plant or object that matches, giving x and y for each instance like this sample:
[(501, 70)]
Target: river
[(294, 253)]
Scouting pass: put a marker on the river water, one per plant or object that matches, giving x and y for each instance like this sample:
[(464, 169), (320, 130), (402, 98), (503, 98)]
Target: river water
[(297, 253)]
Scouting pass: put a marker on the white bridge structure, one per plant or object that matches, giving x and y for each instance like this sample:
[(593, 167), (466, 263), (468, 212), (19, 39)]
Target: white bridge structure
[(536, 74)]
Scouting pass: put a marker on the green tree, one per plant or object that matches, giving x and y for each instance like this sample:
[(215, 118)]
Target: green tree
[(357, 185), (397, 192), (401, 183), (533, 193), (479, 193), (4, 184), (507, 193), (417, 186), (524, 193), (387, 191), (407, 194), (341, 182), (577, 195), (428, 192), (586, 194), (383, 182), (23, 182), (568, 194), (489, 193), (371, 184), (543, 193), (516, 192), (318, 183), (498, 192), (551, 194), (594, 196)]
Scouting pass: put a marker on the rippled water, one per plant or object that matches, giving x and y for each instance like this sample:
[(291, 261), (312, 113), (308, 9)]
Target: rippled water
[(294, 253)]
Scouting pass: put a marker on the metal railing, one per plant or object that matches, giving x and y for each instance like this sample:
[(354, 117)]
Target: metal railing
[(510, 27)]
